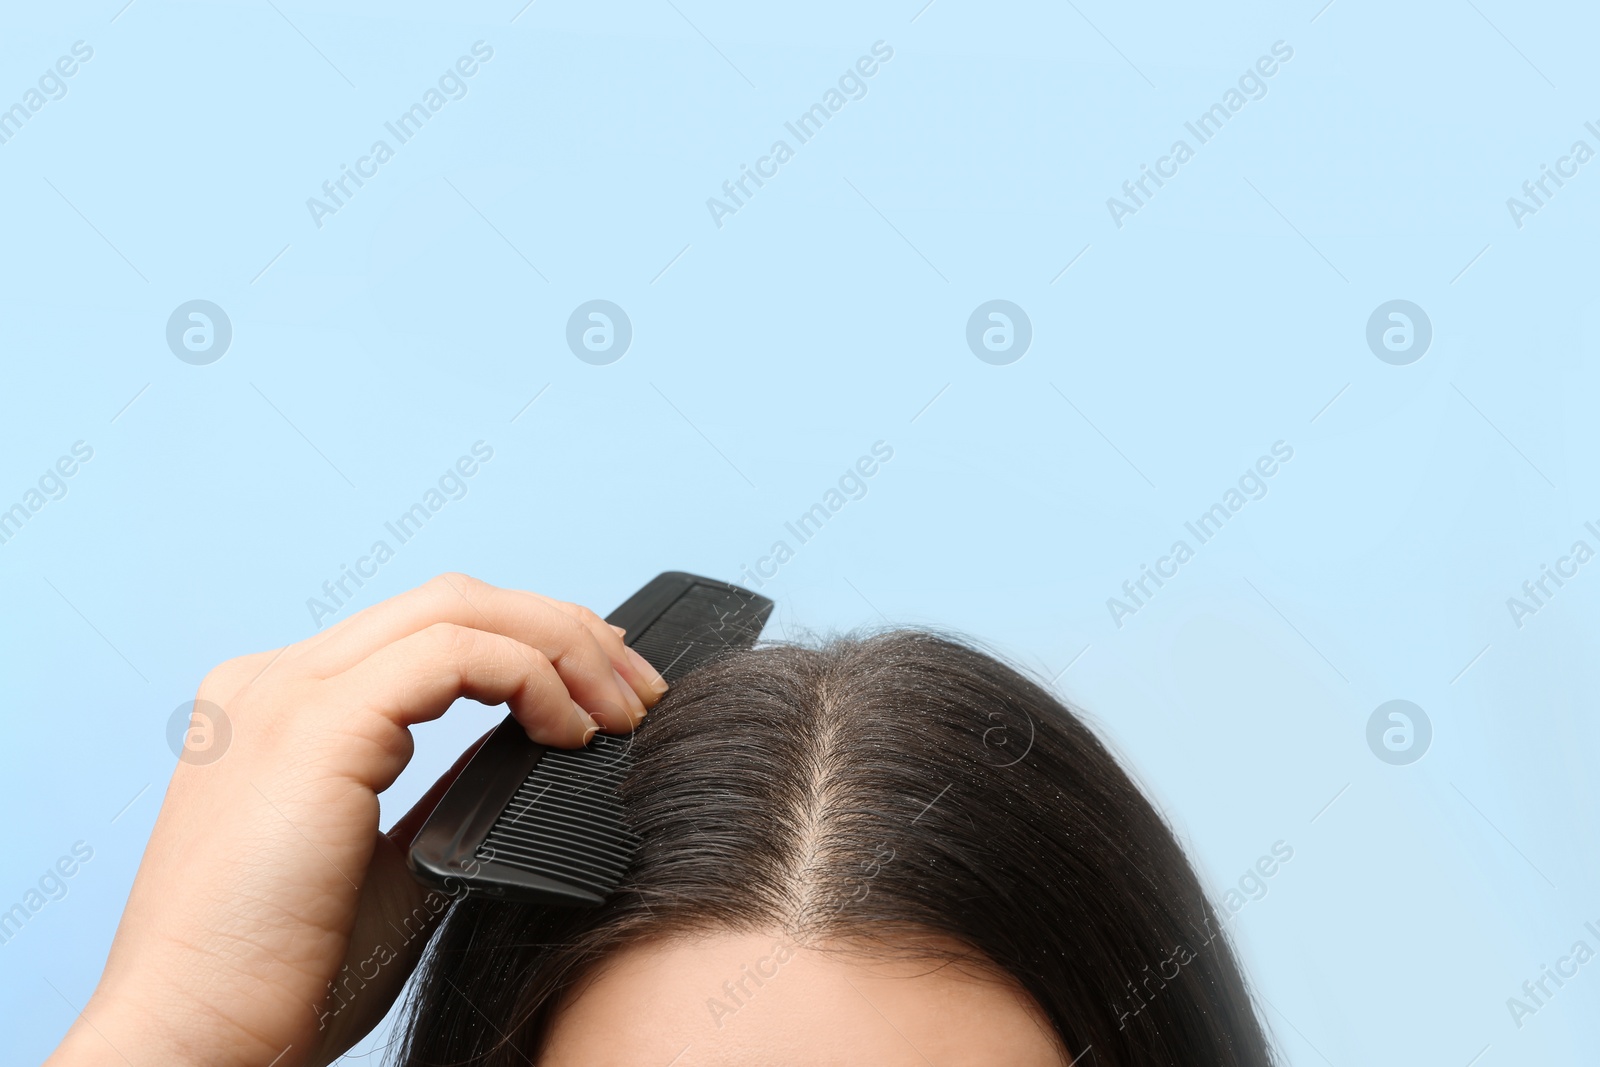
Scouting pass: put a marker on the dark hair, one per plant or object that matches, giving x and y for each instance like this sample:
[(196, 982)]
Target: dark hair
[(877, 790)]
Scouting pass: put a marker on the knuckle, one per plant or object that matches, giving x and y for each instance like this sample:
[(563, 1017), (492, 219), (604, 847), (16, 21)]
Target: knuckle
[(448, 638), (217, 677), (541, 682), (452, 584), (561, 607), (213, 691), (224, 678), (576, 612), (576, 636)]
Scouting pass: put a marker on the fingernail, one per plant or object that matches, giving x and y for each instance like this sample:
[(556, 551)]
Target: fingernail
[(634, 703), (652, 676), (586, 721), (619, 631)]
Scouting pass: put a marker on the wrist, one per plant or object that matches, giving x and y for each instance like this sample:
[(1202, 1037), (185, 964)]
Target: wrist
[(120, 1031)]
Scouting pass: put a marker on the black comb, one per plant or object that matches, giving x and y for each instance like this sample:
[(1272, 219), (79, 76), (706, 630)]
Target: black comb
[(526, 822)]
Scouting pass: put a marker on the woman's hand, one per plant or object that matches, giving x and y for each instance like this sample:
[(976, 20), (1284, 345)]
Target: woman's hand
[(266, 873)]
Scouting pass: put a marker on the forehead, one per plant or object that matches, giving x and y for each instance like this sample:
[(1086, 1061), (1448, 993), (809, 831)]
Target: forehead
[(760, 998)]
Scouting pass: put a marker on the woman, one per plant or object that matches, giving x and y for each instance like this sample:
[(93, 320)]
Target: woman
[(892, 850)]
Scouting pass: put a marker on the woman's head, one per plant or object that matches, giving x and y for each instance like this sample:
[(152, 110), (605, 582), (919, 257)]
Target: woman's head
[(883, 850)]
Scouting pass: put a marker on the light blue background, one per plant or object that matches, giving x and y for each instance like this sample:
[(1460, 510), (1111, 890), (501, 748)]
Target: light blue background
[(1228, 314)]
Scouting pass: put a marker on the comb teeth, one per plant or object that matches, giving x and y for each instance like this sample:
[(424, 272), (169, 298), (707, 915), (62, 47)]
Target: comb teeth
[(525, 822), (565, 821), (699, 625)]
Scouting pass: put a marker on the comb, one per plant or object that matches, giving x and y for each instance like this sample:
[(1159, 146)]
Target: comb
[(546, 825)]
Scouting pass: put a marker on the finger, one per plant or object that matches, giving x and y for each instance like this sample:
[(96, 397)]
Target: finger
[(635, 675), (644, 679), (406, 827), (417, 678), (584, 666)]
